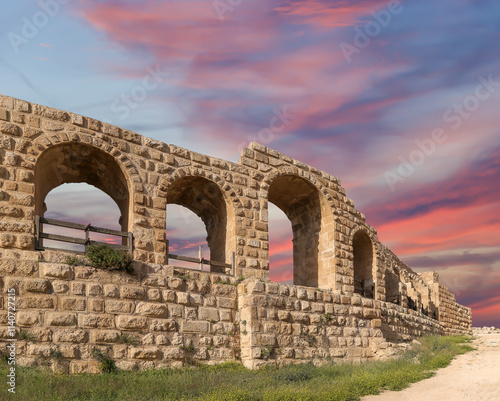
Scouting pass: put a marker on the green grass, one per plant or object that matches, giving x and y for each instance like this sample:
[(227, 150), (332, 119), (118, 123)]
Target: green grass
[(232, 382)]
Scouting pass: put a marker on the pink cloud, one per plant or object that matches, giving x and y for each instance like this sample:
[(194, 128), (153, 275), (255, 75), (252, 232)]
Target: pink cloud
[(329, 14)]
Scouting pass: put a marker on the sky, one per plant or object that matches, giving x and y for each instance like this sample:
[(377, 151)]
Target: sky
[(397, 99)]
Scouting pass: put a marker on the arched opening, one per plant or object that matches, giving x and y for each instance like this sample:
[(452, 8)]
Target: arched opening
[(186, 233), (363, 264), (82, 204), (81, 163), (300, 202), (204, 198), (280, 246), (392, 293)]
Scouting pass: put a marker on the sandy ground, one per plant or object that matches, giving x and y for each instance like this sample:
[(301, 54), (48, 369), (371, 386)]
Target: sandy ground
[(474, 376)]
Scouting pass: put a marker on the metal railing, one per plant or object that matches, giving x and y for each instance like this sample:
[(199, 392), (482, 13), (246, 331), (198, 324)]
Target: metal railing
[(221, 267), (40, 235), (364, 289)]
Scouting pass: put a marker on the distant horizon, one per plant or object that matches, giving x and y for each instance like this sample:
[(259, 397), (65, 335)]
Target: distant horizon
[(397, 99)]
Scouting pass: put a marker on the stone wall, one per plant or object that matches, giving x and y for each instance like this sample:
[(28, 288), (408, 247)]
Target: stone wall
[(286, 323), (42, 148), (155, 318)]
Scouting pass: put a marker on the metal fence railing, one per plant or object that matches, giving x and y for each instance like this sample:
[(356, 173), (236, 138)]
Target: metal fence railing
[(222, 267), (40, 235)]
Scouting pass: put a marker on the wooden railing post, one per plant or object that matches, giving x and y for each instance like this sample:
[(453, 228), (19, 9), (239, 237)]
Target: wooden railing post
[(233, 264), (37, 232), (87, 236), (167, 252), (200, 256), (131, 244)]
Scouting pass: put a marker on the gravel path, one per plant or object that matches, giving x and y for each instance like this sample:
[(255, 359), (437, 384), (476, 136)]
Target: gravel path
[(474, 376)]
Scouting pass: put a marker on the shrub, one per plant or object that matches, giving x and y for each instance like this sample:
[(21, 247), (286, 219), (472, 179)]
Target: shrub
[(107, 364), (73, 260), (108, 258)]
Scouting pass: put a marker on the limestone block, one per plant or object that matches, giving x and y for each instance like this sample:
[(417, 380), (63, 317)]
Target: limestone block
[(183, 298), (41, 302), (175, 310), (78, 367), (96, 321), (145, 353), (151, 309), (208, 314), (193, 326), (163, 325), (176, 283), (71, 336), (132, 292), (131, 322), (60, 287), (104, 336), (229, 303), (73, 303), (112, 306), (28, 318), (173, 353), (60, 319), (111, 291), (59, 271), (94, 290)]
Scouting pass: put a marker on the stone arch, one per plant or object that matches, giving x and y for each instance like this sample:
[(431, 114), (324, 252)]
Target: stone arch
[(73, 162), (309, 207), (364, 262), (211, 199)]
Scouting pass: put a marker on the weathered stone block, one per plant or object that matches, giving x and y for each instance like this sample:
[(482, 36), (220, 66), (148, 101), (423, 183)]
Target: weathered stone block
[(42, 302), (60, 319), (73, 303), (96, 321), (71, 336), (193, 326), (208, 314), (56, 271), (151, 309), (111, 291), (104, 336), (132, 292), (163, 325), (145, 353), (28, 318), (131, 322), (119, 306)]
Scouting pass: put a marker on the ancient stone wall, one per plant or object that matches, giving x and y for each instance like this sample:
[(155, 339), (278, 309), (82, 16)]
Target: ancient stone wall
[(335, 252)]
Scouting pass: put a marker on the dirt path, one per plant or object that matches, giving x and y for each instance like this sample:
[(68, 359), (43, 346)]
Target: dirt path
[(474, 376)]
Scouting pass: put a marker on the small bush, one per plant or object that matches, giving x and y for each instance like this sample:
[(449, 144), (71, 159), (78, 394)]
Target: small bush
[(107, 364), (26, 336), (56, 353), (73, 260), (108, 258), (189, 348)]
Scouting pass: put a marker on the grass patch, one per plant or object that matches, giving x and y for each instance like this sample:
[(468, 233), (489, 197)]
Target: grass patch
[(232, 382)]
